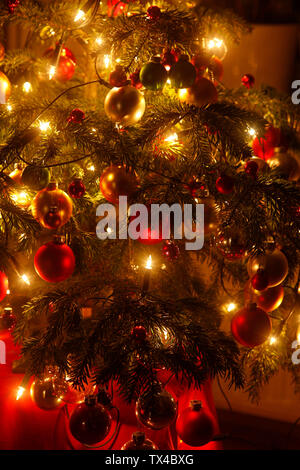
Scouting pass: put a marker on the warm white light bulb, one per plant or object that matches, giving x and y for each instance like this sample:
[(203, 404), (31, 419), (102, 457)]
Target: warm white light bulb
[(149, 262), (80, 16), (20, 392), (25, 278), (27, 87), (230, 307)]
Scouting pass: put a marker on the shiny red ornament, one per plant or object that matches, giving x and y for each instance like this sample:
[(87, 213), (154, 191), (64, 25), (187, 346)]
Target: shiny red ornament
[(65, 68), (260, 280), (251, 168), (54, 261), (170, 250), (195, 426), (76, 188), (158, 411), (12, 5), (275, 265), (265, 147), (7, 319), (268, 300), (77, 116), (248, 80), (90, 423), (3, 285), (225, 184), (139, 442), (118, 77), (115, 7), (251, 326), (230, 244), (154, 13), (139, 333)]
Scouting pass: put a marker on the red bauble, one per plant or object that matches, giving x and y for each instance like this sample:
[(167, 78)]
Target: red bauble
[(251, 168), (158, 411), (66, 65), (248, 80), (170, 250), (154, 13), (225, 184), (118, 77), (77, 116), (203, 92), (231, 244), (194, 425), (274, 264), (52, 207), (117, 181), (139, 442), (260, 280), (265, 147), (269, 300), (3, 285), (115, 7), (251, 326), (7, 319), (76, 188), (90, 423), (54, 261), (139, 333)]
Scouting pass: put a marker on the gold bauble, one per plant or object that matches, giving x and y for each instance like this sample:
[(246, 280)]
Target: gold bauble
[(269, 299), (201, 93), (117, 181), (5, 88), (274, 264), (286, 165), (48, 392), (52, 207), (124, 105)]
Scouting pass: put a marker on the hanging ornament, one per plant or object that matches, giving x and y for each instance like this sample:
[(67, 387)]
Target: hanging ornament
[(248, 80), (77, 116), (231, 244), (265, 147), (7, 319), (195, 425), (16, 174), (76, 188), (153, 75), (125, 105), (2, 52), (201, 62), (118, 77), (251, 168), (154, 13), (117, 181), (170, 250), (54, 261), (158, 411), (260, 280), (46, 33), (168, 58), (5, 88), (36, 178), (225, 184), (90, 422), (52, 201), (139, 442), (47, 392), (182, 73), (12, 5), (251, 326), (65, 68), (274, 264), (135, 79), (217, 69), (268, 300), (203, 92), (3, 285), (115, 7), (139, 333), (286, 165)]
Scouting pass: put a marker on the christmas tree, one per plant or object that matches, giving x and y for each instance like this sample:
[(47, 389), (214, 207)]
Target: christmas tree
[(140, 110)]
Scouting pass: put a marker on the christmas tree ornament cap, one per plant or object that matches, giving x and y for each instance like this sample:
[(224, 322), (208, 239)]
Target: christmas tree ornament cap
[(138, 437), (196, 405), (184, 57), (155, 59), (7, 310), (251, 306), (52, 186), (59, 239), (90, 400)]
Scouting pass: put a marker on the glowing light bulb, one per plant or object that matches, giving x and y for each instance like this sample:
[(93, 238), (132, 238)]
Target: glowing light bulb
[(99, 41), (27, 87), (52, 72), (44, 126), (252, 132), (215, 43), (118, 60), (168, 81), (20, 392), (168, 67), (80, 16), (9, 107), (25, 279), (182, 93), (7, 292), (148, 264), (21, 198), (171, 138), (230, 307), (273, 340), (91, 168), (106, 61)]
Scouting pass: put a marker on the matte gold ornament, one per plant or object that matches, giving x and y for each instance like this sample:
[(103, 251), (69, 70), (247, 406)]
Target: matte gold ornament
[(275, 265), (125, 105)]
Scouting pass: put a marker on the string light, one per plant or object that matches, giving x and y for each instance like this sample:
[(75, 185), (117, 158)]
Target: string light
[(91, 168), (21, 198), (99, 41), (44, 126), (148, 264), (252, 132), (27, 87), (9, 107), (182, 93), (8, 292), (171, 138), (230, 307), (20, 392), (25, 279), (52, 71), (106, 60), (273, 340), (80, 16), (215, 43)]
